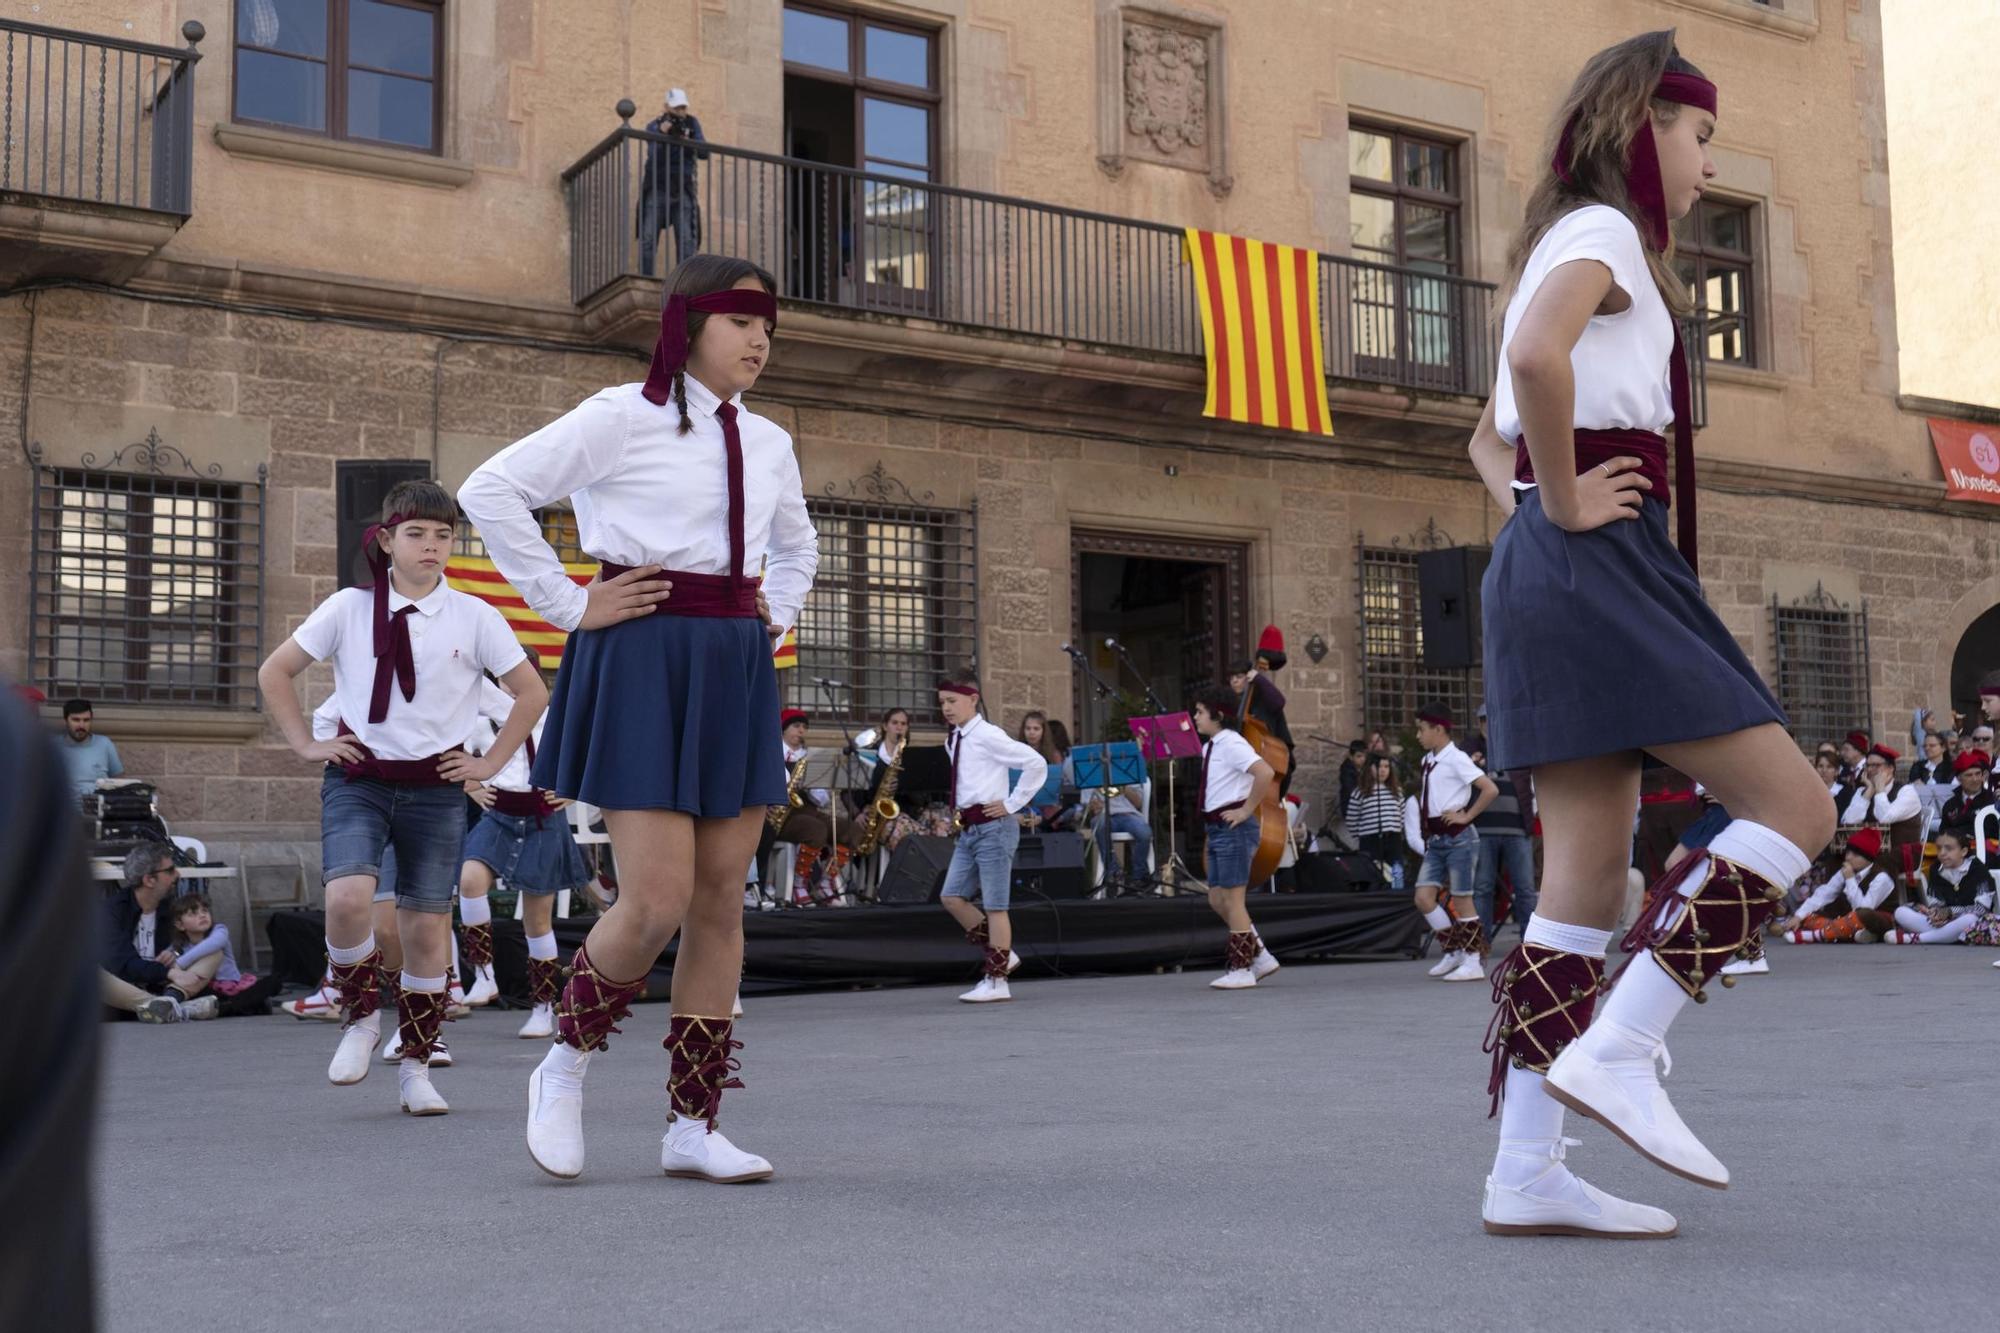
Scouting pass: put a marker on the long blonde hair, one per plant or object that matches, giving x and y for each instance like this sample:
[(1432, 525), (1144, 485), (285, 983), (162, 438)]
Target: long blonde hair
[(1610, 96)]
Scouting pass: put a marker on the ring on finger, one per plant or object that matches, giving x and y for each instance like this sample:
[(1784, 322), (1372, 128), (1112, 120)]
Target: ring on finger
[(1606, 467)]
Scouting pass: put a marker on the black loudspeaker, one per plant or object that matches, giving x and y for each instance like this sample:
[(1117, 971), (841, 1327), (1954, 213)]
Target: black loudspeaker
[(1050, 864), (1351, 872), (1448, 591), (359, 487), (916, 870)]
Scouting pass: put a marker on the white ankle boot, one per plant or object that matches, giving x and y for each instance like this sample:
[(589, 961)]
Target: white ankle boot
[(392, 1051), (1746, 967), (555, 1111), (736, 1006), (357, 1043), (990, 990), (1471, 967), (413, 1081), (1264, 964), (1241, 978), (1554, 1202), (541, 1022), (1447, 963), (485, 990), (1608, 1074), (693, 1151)]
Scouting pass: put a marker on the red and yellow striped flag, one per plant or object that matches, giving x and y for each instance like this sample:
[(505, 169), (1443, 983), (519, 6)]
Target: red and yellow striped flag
[(786, 654), (479, 577), (1260, 329)]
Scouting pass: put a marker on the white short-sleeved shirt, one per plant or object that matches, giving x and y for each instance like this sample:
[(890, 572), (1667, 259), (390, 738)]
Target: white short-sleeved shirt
[(1621, 360), (1447, 780), (495, 707), (1227, 765), (453, 638)]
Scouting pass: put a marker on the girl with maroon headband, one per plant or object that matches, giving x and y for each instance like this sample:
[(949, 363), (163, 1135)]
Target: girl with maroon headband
[(1600, 649), (665, 712)]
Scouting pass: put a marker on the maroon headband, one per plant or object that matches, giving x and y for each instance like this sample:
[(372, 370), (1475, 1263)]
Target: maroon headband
[(1642, 158), (670, 353), (1989, 691), (964, 687), (1435, 719)]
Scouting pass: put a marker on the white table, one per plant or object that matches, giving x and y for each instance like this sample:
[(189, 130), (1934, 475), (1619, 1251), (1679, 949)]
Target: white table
[(115, 870)]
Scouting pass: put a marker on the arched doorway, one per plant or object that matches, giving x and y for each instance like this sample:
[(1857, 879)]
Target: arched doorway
[(1978, 652)]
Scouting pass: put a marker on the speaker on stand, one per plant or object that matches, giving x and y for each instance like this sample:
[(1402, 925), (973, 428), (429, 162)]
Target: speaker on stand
[(1448, 599)]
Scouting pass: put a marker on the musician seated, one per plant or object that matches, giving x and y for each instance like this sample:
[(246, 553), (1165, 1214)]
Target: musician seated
[(1122, 816), (808, 822)]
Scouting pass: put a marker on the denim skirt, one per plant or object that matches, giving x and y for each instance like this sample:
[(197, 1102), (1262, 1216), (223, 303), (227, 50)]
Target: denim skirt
[(534, 855)]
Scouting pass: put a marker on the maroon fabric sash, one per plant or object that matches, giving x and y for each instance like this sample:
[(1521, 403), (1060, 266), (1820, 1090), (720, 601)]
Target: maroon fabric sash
[(1594, 447), (404, 772), (969, 815), (716, 596), (522, 804)]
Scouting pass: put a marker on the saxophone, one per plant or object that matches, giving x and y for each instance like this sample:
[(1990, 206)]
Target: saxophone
[(884, 808), (778, 814)]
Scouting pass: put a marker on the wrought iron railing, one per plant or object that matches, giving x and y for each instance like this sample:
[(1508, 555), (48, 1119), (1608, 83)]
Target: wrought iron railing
[(873, 242), (97, 119)]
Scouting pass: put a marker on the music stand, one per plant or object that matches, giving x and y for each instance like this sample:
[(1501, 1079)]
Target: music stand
[(837, 772), (1169, 737), (1100, 768)]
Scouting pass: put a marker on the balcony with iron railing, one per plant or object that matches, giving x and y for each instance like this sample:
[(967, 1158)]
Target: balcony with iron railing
[(872, 243), (96, 150)]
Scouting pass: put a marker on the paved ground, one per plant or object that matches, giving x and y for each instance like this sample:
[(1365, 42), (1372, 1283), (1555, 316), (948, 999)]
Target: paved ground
[(1125, 1153)]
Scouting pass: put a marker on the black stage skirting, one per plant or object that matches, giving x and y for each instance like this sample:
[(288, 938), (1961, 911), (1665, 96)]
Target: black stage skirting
[(826, 948)]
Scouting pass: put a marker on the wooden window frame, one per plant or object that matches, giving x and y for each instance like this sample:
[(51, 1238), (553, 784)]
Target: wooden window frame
[(931, 99), (337, 66), (1699, 253), (1396, 192)]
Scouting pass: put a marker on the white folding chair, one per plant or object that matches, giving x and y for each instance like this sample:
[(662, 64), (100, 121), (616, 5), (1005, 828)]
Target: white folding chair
[(194, 847)]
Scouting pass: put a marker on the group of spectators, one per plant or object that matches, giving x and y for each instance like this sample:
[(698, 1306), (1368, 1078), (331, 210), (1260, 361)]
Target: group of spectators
[(162, 955)]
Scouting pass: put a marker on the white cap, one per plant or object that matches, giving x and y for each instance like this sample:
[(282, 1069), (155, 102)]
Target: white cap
[(677, 97)]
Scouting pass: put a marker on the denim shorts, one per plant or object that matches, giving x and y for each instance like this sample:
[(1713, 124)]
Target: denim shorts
[(361, 820), (1451, 860), (983, 864), (1229, 853)]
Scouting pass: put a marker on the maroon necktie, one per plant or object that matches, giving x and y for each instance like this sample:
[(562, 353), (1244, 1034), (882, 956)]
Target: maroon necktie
[(395, 662), (957, 739), (1683, 400), (1424, 800), (1206, 750), (732, 441)]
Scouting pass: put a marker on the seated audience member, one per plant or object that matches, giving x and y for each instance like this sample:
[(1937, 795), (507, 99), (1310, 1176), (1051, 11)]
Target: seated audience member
[(1855, 904), (1972, 768), (1931, 775), (88, 755), (197, 936), (141, 972), (1958, 900)]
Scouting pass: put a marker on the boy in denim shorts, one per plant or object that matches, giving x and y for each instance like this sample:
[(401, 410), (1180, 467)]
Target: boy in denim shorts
[(1234, 780), (407, 656), (1450, 795), (983, 860)]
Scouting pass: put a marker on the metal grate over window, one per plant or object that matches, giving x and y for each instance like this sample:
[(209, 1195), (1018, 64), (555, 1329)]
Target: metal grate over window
[(558, 530), (1394, 680), (894, 606), (1822, 649), (147, 584)]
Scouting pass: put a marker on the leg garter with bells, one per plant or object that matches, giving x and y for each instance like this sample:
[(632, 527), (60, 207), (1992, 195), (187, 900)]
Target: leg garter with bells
[(1242, 950), (544, 980), (592, 1004), (1464, 935), (357, 986), (701, 1063), (475, 945), (1692, 933), (1545, 1000), (420, 1018)]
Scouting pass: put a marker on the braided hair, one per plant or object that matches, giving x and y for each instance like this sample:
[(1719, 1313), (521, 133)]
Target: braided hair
[(681, 401)]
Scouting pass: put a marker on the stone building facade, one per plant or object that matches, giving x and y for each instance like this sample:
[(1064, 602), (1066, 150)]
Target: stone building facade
[(330, 299)]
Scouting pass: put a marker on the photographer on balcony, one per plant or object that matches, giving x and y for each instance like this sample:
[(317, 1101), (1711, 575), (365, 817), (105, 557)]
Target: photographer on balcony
[(667, 194)]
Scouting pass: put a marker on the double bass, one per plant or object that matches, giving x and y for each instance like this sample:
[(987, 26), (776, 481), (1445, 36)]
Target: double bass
[(1273, 829)]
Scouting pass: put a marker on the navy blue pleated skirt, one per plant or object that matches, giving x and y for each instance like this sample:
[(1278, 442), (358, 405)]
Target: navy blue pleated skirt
[(666, 713), (1598, 642)]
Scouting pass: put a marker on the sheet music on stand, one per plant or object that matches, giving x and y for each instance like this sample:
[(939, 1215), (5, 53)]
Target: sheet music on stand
[(1166, 736), (834, 771), (1118, 764)]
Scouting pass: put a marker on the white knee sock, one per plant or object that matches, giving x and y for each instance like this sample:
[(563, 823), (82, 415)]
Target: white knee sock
[(1646, 999), (542, 946), (1531, 1121), (1952, 931), (475, 911), (349, 957), (1439, 918)]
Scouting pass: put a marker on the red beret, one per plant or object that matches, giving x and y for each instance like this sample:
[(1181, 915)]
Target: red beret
[(1971, 759), (1858, 739), (791, 715), (1866, 841), (1887, 754)]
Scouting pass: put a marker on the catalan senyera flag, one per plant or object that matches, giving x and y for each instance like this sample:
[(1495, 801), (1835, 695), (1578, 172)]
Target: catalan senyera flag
[(479, 577), (786, 654), (1260, 329)]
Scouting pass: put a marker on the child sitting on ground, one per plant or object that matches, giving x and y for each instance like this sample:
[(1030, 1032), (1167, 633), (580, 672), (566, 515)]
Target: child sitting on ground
[(196, 936)]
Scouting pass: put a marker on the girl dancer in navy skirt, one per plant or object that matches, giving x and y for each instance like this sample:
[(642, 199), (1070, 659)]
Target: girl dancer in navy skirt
[(1600, 649), (665, 712)]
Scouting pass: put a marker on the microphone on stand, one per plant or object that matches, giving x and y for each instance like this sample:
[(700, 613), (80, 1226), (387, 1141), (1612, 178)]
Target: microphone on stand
[(829, 684), (1112, 644)]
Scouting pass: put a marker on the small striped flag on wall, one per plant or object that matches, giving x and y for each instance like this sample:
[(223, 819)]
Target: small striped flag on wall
[(1260, 326), (471, 574)]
